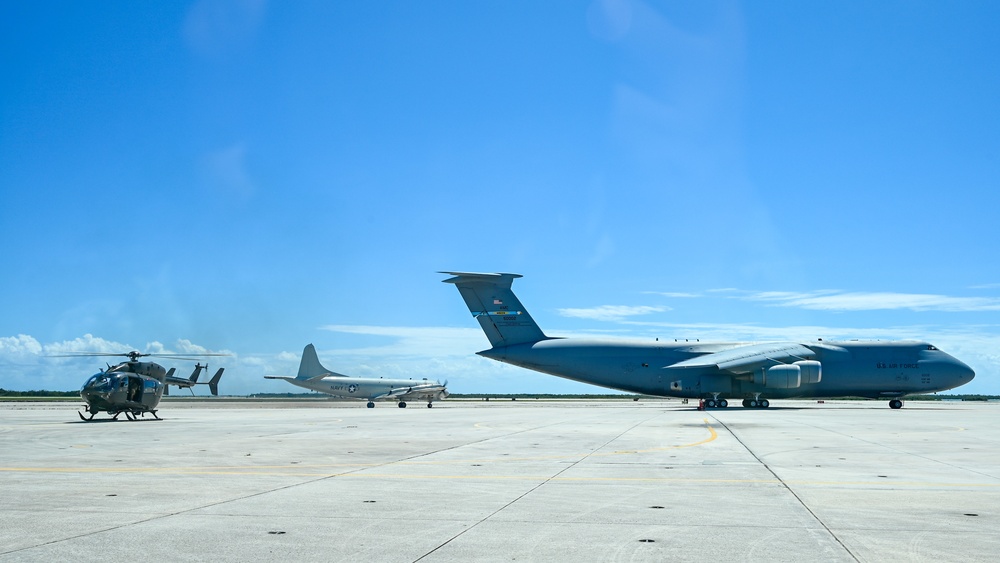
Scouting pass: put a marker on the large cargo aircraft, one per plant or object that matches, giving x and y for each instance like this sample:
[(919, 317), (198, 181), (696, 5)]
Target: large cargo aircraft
[(713, 371)]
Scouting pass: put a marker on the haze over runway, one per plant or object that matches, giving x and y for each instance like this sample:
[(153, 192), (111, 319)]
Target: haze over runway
[(246, 176)]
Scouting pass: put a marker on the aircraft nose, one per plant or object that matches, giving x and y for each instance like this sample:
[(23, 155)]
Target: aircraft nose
[(950, 368), (963, 372)]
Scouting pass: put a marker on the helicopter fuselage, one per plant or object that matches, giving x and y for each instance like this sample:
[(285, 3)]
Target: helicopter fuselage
[(130, 387)]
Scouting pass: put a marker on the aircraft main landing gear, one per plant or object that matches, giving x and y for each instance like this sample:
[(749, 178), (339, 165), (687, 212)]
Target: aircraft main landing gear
[(756, 403), (895, 404), (715, 402)]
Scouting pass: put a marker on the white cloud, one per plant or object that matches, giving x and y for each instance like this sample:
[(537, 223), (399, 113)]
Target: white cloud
[(416, 341), (674, 294), (611, 312), (19, 345), (832, 300), (217, 28)]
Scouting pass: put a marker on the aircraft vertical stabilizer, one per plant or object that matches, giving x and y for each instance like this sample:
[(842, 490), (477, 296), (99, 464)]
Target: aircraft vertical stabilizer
[(490, 299), (310, 368)]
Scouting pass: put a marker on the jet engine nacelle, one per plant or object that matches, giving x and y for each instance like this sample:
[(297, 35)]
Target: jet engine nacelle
[(811, 371), (779, 377)]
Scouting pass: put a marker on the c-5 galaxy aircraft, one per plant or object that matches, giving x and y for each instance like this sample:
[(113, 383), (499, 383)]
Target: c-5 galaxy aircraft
[(714, 371), (312, 375)]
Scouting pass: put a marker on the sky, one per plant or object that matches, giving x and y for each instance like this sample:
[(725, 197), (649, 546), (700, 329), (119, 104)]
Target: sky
[(248, 177)]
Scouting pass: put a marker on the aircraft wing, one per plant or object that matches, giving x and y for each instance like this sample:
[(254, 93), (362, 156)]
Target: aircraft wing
[(743, 359), (423, 389)]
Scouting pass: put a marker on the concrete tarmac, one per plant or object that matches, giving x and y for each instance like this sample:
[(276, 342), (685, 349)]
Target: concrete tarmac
[(502, 481)]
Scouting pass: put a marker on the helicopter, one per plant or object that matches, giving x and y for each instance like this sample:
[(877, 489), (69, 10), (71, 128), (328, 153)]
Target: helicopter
[(135, 388)]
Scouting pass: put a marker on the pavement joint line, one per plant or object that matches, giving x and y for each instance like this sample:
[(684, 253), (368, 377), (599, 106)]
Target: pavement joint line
[(788, 488), (536, 487), (904, 452), (260, 493)]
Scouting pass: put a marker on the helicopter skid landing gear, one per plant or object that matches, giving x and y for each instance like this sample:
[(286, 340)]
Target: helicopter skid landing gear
[(85, 419), (155, 416)]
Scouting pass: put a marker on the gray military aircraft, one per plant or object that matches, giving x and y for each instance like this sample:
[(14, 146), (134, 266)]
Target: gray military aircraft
[(312, 375), (714, 371)]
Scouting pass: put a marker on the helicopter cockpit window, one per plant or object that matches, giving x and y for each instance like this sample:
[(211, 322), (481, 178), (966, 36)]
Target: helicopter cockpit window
[(99, 382)]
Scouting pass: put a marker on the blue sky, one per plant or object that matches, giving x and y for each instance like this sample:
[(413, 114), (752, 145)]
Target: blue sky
[(250, 176)]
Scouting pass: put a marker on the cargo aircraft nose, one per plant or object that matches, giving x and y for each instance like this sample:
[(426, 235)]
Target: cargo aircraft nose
[(945, 368), (963, 372)]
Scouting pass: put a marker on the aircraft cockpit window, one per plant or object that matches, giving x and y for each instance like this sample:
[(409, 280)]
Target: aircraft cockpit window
[(931, 347), (98, 382)]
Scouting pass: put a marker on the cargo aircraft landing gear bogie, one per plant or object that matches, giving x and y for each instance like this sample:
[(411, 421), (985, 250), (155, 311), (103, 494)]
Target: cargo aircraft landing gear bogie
[(756, 403), (715, 402)]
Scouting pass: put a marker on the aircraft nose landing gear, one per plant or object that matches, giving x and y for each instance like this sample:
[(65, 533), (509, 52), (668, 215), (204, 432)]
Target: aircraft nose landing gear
[(895, 404)]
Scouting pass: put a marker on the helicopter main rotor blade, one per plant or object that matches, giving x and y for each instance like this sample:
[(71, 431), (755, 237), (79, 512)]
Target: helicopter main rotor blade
[(134, 355)]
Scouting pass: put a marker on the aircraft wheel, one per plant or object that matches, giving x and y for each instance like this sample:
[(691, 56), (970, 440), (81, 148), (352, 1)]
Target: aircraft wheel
[(710, 403), (895, 404), (371, 405), (723, 403), (429, 405), (402, 404), (764, 403), (752, 403), (746, 403)]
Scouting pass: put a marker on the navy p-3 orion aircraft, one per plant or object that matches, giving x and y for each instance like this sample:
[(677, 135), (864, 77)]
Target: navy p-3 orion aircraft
[(714, 372), (312, 375)]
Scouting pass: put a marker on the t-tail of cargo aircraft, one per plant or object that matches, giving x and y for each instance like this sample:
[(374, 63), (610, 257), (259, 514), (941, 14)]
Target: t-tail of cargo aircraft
[(713, 371), (491, 301)]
